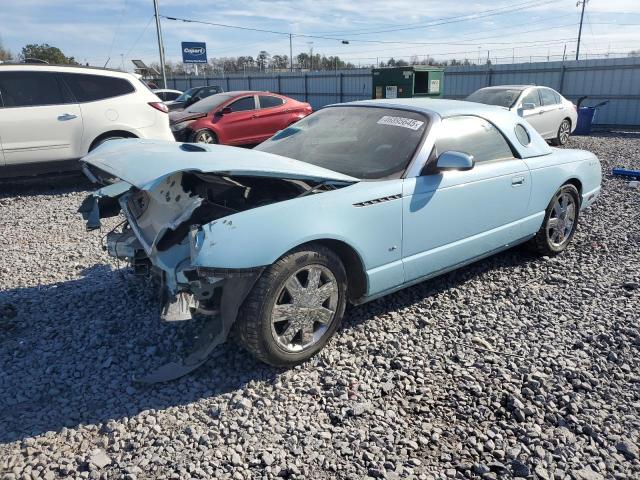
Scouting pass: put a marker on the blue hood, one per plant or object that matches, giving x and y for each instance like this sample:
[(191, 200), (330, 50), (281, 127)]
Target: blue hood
[(144, 162)]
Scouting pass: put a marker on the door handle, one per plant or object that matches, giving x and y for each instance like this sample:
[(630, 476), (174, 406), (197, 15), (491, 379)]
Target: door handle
[(254, 116), (66, 116), (517, 181)]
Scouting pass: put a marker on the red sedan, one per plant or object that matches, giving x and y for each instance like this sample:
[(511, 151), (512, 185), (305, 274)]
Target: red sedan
[(236, 118)]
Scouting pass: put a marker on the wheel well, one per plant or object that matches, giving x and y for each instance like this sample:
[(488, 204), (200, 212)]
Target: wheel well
[(356, 277), (575, 182), (112, 133), (568, 120)]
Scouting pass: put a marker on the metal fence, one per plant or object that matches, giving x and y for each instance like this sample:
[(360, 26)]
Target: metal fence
[(613, 79), (317, 88)]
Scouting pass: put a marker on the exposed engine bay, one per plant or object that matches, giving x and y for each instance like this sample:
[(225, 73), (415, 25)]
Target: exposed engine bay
[(159, 235)]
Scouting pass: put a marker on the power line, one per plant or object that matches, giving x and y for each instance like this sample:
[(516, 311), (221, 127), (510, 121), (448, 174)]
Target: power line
[(465, 18), (303, 35), (116, 32), (126, 55), (448, 20)]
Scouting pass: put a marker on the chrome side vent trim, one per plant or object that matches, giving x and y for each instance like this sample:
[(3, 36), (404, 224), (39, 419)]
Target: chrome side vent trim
[(378, 200)]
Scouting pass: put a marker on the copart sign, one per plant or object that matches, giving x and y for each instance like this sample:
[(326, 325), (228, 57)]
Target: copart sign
[(194, 52)]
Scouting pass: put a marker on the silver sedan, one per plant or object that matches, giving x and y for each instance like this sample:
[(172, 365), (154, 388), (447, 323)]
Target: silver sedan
[(552, 115)]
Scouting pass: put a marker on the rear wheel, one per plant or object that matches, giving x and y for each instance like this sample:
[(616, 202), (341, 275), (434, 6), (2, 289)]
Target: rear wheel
[(564, 130), (204, 136), (560, 222), (294, 308)]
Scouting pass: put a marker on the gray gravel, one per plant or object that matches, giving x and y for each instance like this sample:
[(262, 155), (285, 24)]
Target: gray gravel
[(516, 366)]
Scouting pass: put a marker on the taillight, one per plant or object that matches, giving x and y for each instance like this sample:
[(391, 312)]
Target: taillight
[(160, 106)]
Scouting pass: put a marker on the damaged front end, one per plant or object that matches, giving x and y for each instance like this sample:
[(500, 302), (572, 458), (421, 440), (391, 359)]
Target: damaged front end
[(163, 234)]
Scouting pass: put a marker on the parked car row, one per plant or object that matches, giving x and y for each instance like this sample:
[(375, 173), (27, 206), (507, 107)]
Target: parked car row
[(51, 116)]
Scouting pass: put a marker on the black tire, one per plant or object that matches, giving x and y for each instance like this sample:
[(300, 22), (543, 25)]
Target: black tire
[(563, 133), (543, 242), (204, 136), (254, 329)]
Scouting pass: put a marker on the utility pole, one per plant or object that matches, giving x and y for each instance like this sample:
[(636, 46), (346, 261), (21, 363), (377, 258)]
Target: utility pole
[(160, 44), (564, 52), (584, 3), (290, 53), (310, 55)]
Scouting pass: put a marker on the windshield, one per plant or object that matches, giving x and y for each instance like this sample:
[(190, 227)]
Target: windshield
[(503, 97), (187, 94), (363, 142), (207, 104)]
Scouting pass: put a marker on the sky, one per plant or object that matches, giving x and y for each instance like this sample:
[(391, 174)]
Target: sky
[(112, 32)]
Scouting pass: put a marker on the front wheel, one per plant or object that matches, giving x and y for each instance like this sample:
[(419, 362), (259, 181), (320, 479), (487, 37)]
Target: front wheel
[(560, 222), (294, 308), (204, 136), (564, 130)]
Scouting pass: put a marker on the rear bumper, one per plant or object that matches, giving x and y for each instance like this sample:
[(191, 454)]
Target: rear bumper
[(159, 131)]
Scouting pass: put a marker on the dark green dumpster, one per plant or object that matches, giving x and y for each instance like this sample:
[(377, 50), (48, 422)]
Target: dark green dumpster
[(408, 82)]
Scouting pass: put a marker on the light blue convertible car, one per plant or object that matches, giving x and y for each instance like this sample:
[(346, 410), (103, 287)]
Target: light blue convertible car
[(356, 201)]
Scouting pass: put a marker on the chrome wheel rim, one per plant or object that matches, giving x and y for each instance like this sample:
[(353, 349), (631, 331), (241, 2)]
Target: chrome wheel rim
[(562, 220), (304, 308), (564, 132), (205, 137)]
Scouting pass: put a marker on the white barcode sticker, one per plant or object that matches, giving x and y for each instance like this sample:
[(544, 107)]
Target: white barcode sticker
[(401, 122)]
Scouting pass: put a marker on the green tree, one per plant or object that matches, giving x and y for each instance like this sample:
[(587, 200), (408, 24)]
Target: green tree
[(47, 53), (263, 59)]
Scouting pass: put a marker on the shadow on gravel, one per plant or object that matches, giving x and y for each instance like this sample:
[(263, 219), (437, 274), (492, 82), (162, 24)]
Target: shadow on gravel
[(68, 350), (44, 185)]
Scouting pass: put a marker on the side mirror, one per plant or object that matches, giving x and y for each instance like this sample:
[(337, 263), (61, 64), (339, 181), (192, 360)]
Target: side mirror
[(224, 111), (451, 160)]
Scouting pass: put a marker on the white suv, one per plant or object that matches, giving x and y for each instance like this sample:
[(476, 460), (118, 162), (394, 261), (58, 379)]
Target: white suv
[(50, 116)]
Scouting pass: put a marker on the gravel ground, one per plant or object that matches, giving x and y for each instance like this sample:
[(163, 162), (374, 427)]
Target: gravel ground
[(516, 366)]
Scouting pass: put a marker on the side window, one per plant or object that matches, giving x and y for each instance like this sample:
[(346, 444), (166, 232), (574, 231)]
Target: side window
[(267, 101), (532, 97), (246, 103), (88, 88), (171, 95), (557, 96), (161, 95), (548, 98), (472, 135), (30, 89)]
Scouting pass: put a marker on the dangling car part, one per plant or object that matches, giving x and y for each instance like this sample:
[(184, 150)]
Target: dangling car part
[(347, 205)]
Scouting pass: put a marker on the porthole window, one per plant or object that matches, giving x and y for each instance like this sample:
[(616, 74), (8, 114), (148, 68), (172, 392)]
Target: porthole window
[(523, 135)]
